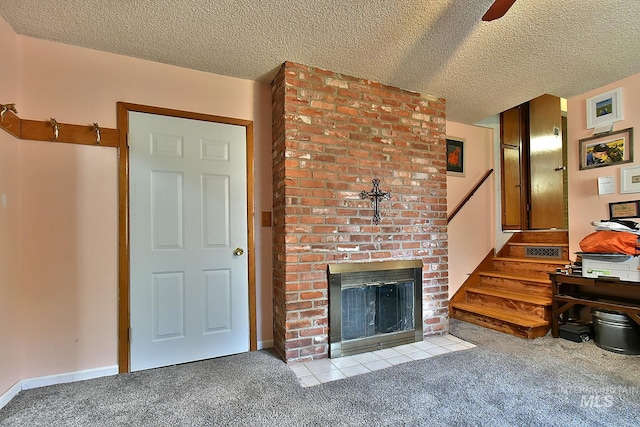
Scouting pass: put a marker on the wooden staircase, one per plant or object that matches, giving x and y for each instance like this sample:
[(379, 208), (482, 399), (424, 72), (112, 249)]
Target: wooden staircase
[(511, 292)]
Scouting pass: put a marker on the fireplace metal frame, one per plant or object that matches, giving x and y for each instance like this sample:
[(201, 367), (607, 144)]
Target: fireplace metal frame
[(404, 270)]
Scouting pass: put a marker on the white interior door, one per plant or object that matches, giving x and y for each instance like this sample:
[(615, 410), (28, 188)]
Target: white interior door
[(189, 296)]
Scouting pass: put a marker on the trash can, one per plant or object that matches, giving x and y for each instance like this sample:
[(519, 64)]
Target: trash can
[(614, 331)]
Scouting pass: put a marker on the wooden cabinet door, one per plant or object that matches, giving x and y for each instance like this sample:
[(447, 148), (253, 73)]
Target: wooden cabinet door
[(533, 172), (546, 164), (513, 196)]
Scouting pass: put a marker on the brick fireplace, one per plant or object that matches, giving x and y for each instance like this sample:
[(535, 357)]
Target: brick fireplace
[(332, 135)]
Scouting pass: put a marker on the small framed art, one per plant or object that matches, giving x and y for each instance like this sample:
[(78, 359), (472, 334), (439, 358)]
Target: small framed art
[(620, 210), (630, 179), (455, 156), (604, 108)]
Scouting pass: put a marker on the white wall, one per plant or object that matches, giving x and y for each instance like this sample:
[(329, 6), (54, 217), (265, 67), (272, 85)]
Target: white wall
[(58, 301), (585, 205), (10, 292), (471, 233)]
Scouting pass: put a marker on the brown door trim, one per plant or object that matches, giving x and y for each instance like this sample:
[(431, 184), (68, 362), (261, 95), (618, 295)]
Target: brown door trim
[(124, 317)]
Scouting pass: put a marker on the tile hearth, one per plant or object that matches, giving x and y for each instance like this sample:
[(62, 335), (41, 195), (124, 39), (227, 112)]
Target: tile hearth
[(325, 370)]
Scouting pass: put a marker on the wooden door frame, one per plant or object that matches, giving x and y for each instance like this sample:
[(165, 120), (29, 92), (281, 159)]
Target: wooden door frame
[(124, 267)]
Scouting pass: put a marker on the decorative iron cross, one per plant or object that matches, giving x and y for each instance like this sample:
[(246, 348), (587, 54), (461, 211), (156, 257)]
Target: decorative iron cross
[(375, 195)]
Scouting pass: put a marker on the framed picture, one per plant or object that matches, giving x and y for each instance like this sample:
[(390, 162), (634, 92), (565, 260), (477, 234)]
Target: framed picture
[(455, 156), (604, 108), (607, 149), (630, 179), (620, 210)]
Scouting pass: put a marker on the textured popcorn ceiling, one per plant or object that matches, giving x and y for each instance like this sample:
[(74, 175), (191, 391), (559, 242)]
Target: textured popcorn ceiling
[(435, 47)]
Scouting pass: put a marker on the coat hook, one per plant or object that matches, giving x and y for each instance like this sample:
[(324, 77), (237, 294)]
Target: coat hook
[(3, 110), (96, 130), (56, 128)]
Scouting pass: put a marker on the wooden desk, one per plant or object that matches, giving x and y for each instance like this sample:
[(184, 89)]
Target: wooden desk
[(571, 293)]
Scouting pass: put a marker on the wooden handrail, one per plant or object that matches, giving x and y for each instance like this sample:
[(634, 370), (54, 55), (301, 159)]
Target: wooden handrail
[(469, 195)]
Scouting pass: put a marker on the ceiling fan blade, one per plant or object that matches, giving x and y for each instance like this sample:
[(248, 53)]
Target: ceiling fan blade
[(498, 9)]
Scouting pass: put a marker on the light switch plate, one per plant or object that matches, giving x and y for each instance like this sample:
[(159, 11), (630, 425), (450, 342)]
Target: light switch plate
[(266, 219)]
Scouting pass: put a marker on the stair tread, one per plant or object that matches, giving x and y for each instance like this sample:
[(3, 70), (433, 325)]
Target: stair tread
[(512, 295), (555, 261), (515, 276), (503, 315), (538, 244)]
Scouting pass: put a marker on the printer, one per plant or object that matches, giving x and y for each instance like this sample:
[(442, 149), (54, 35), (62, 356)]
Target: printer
[(615, 265)]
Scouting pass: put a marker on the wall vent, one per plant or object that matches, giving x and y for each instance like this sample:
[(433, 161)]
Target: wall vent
[(543, 252)]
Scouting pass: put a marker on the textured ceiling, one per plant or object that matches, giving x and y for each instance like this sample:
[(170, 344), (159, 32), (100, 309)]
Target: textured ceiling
[(437, 47)]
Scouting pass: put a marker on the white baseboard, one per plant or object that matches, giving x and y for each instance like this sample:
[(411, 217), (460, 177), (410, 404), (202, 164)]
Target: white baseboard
[(10, 394), (69, 377), (265, 344)]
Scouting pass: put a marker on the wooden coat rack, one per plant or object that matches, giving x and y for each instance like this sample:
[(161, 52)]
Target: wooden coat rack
[(56, 132)]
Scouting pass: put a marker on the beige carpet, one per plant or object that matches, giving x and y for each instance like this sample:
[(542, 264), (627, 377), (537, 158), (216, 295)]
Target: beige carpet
[(504, 381)]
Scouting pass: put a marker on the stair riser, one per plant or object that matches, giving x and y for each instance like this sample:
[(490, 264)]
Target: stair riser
[(509, 304), (534, 288), (520, 252), (498, 325), (541, 269), (545, 237), (485, 300)]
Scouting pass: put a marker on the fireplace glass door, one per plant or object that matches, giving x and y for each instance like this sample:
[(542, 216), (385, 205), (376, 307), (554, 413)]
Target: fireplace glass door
[(378, 305), (377, 309)]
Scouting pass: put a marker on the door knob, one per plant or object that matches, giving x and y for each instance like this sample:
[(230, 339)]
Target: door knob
[(561, 168), (238, 251)]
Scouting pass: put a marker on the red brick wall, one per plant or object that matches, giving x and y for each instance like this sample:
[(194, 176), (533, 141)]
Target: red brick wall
[(333, 134)]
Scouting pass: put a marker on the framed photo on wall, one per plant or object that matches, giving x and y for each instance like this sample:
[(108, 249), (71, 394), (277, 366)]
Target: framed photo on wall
[(604, 108), (607, 149), (630, 179), (455, 156)]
